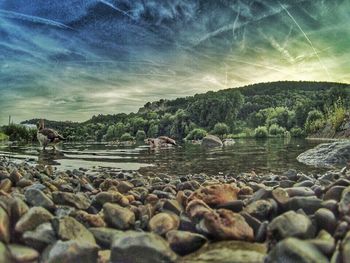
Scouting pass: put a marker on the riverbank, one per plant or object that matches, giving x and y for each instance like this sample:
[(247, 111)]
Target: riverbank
[(51, 215)]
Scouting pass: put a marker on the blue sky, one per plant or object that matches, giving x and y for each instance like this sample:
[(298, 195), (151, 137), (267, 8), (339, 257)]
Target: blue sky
[(69, 60)]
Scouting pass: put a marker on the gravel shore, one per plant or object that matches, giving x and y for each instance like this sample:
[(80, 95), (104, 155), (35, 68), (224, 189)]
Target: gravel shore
[(50, 215)]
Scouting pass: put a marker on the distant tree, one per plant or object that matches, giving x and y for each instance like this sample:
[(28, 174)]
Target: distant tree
[(140, 135), (126, 137)]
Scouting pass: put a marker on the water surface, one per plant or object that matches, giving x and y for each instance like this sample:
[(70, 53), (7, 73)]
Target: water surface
[(271, 155)]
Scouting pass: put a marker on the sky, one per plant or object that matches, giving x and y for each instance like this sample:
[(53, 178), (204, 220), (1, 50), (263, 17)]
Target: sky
[(72, 59)]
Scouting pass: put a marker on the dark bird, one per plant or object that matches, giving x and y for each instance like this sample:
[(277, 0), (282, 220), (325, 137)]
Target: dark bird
[(47, 136)]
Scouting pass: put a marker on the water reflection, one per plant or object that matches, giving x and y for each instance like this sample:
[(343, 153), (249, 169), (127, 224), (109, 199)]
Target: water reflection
[(272, 155)]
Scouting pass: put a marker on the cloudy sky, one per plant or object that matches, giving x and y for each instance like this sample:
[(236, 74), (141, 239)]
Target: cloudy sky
[(71, 59)]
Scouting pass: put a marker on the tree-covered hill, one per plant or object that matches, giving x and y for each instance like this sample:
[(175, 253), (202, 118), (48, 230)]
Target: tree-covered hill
[(266, 109)]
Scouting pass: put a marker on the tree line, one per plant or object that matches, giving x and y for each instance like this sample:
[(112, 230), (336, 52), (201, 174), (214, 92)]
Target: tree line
[(261, 110)]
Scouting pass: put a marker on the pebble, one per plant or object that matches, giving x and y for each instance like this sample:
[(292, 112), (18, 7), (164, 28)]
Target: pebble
[(118, 216), (163, 222), (140, 247), (33, 218)]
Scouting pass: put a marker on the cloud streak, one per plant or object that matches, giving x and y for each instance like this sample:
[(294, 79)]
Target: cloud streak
[(121, 54)]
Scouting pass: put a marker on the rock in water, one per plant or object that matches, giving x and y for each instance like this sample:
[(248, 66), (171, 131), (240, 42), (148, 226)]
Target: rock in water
[(295, 250), (228, 252), (210, 141), (216, 194), (291, 224), (118, 217), (138, 247), (70, 251), (327, 154)]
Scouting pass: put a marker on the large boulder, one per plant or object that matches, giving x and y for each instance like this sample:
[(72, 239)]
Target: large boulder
[(211, 141), (327, 154), (141, 247)]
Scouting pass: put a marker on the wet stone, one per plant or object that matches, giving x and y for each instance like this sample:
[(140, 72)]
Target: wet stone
[(326, 220), (228, 252), (36, 197), (104, 235), (70, 251), (33, 218), (118, 217), (4, 226), (291, 224), (67, 228), (163, 222), (79, 201), (261, 209), (295, 250), (39, 238), (138, 247), (22, 253), (334, 193)]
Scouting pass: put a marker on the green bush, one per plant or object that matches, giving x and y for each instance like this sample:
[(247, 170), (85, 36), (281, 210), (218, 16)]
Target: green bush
[(221, 129), (314, 121), (140, 135), (297, 132), (261, 132), (196, 134), (3, 136), (337, 115), (276, 130), (17, 132), (126, 137)]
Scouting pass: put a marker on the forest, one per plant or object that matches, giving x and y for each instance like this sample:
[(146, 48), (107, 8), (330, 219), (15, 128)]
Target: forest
[(275, 109)]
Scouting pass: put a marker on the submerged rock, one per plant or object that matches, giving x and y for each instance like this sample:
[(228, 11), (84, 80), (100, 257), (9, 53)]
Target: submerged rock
[(327, 154), (210, 141), (138, 247)]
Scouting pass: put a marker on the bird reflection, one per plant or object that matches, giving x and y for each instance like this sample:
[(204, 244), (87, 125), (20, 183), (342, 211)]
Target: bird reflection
[(50, 157)]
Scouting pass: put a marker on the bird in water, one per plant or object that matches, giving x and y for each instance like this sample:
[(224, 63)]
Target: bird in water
[(47, 136)]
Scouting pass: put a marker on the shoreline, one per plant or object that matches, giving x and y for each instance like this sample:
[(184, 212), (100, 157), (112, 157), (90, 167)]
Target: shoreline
[(48, 214)]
